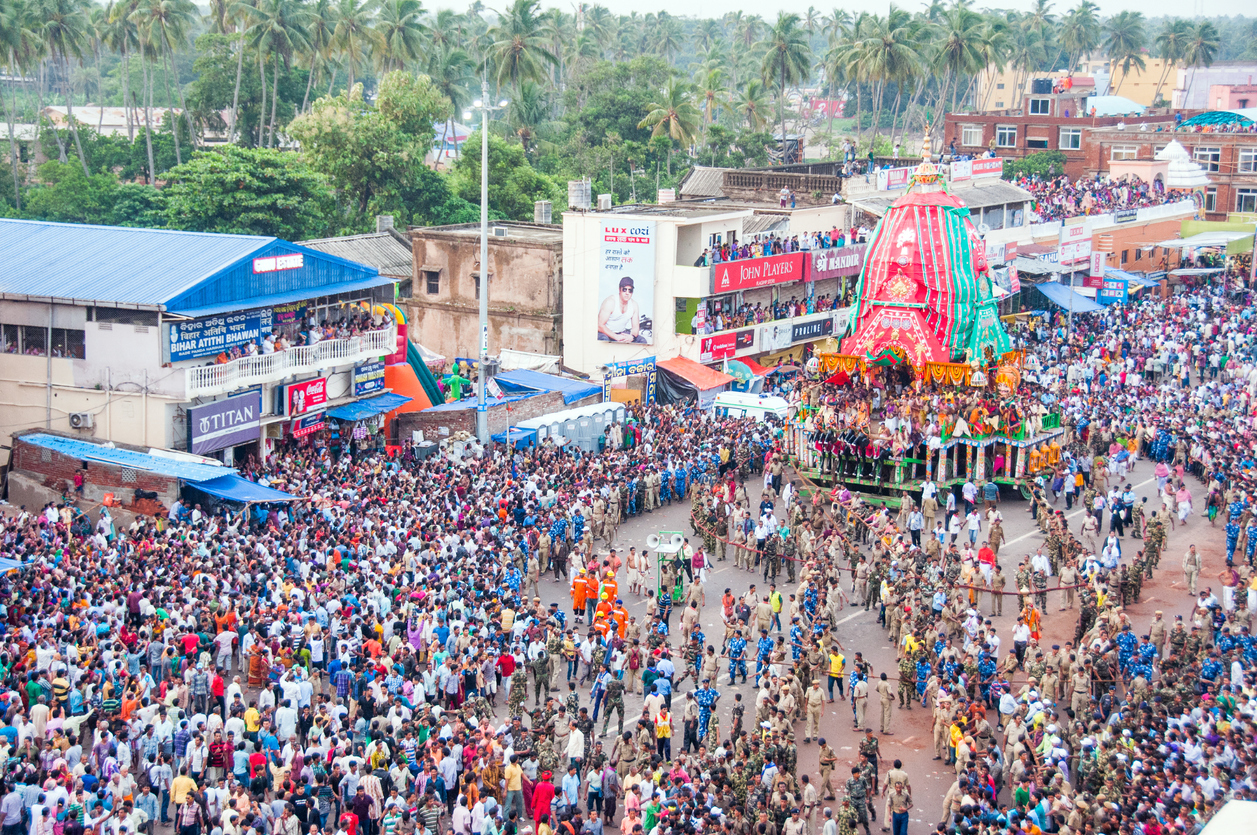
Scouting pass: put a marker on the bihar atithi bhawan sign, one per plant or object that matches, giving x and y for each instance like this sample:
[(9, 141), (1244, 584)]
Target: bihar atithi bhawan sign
[(758, 272), (834, 263), (215, 334), (224, 423)]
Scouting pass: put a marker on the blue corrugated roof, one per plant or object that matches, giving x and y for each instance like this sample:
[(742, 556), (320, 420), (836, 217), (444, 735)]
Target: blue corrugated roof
[(285, 298), (238, 489), (87, 451), (523, 378), (113, 263)]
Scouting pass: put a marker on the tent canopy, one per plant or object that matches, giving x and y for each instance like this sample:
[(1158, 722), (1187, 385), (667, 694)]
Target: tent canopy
[(1063, 297), (1245, 116), (7, 565), (370, 407), (518, 437), (1199, 271), (1205, 239), (1134, 278), (702, 377), (523, 379), (234, 488)]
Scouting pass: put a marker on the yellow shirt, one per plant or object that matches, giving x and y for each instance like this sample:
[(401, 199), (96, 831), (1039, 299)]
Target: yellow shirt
[(837, 662), (514, 778), (180, 787), (252, 720), (663, 725)]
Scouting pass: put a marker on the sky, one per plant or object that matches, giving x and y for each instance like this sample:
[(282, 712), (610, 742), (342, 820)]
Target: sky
[(716, 8)]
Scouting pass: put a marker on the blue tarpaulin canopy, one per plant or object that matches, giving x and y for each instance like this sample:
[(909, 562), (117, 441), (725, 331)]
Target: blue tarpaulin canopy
[(7, 565), (523, 379), (1066, 298), (370, 407), (1134, 278), (234, 488), (519, 437)]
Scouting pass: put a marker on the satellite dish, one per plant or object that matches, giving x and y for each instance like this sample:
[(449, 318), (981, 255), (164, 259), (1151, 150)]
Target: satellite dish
[(652, 541), (983, 229)]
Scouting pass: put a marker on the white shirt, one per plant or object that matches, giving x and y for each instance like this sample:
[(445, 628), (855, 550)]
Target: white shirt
[(1021, 634)]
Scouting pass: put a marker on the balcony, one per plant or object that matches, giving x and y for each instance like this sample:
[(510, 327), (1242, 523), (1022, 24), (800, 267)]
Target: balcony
[(209, 380)]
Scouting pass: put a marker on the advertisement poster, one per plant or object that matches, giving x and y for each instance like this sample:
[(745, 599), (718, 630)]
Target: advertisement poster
[(1113, 291), (837, 262), (804, 331), (1095, 275), (889, 179), (306, 395), (776, 337), (308, 425), (626, 281), (215, 334), (758, 272), (616, 370), (724, 345), (368, 378), (224, 423)]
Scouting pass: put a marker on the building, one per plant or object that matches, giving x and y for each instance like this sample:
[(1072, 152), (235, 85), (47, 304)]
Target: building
[(1147, 86), (142, 336), (1014, 135), (114, 121), (1192, 84), (388, 251), (993, 203), (525, 308), (1229, 159), (636, 287), (1004, 88), (1232, 96)]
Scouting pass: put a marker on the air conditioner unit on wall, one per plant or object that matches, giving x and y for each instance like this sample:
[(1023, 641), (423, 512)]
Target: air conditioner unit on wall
[(81, 420), (604, 202), (500, 231)]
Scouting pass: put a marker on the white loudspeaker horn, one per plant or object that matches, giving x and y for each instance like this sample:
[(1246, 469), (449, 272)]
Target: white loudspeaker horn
[(652, 541), (677, 541)]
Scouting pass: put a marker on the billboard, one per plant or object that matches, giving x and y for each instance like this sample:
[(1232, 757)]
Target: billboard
[(834, 263), (368, 378), (889, 179), (615, 370), (1113, 291), (815, 329), (1095, 275), (626, 281), (758, 272), (224, 423), (724, 345), (976, 169), (776, 336), (306, 395), (214, 334)]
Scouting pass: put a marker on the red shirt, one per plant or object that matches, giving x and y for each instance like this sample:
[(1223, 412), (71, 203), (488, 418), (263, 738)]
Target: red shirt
[(986, 556), (506, 664)]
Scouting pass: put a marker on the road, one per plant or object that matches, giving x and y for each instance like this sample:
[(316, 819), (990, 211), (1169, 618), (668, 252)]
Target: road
[(858, 630)]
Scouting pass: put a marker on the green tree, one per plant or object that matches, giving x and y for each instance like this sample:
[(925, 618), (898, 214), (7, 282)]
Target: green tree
[(1040, 164), (513, 184), (65, 194), (374, 155), (65, 25), (752, 103), (787, 61), (402, 34), (1201, 47), (519, 50), (354, 35), (1080, 31), (674, 114), (214, 88), (280, 31), (1170, 46), (250, 191), (1124, 40)]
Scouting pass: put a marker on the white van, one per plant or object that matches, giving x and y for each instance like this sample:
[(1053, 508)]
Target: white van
[(738, 404)]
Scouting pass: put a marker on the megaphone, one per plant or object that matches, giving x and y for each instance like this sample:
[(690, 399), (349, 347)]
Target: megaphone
[(677, 541), (652, 541)]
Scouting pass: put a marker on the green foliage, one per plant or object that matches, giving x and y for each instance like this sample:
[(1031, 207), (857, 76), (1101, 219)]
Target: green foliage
[(252, 191), (1039, 164), (117, 154), (613, 97), (374, 155), (211, 93), (67, 196), (513, 184)]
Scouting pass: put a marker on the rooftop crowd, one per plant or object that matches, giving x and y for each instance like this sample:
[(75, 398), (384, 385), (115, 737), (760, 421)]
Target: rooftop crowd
[(377, 658), (1058, 198)]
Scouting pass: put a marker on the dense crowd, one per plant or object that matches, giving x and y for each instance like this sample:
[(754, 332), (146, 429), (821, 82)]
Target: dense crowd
[(767, 244), (1057, 198), (378, 658)]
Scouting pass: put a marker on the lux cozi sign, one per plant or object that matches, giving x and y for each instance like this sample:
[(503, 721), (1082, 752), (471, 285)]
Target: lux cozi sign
[(758, 272)]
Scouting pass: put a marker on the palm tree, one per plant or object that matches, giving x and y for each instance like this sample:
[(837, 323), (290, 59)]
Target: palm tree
[(527, 112), (242, 12), (354, 35), (402, 33), (280, 32), (959, 50), (601, 25), (788, 61), (706, 33), (1080, 31), (668, 37), (518, 50), (674, 114), (167, 23), (453, 72), (1124, 39), (836, 24), (753, 105), (1170, 46), (888, 54), (121, 37), (65, 33), (220, 17), (1201, 48), (18, 37), (321, 35), (712, 92), (811, 20)]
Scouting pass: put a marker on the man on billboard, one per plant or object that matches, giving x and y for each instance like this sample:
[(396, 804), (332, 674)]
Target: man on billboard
[(619, 318)]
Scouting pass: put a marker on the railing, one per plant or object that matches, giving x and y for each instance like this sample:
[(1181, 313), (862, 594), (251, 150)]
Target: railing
[(208, 380)]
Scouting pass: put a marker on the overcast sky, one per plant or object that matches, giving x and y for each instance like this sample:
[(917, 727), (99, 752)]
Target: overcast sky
[(716, 8)]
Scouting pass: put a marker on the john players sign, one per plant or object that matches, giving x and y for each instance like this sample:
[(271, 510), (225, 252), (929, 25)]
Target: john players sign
[(758, 272), (215, 426)]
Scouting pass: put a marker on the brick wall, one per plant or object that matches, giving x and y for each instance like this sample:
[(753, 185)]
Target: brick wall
[(56, 472), (500, 415)]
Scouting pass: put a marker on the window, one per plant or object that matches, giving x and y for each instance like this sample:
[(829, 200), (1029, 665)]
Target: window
[(1246, 200), (1040, 107), (33, 340), (1139, 254), (1209, 158), (1211, 199), (1036, 142), (1071, 139), (999, 86), (971, 135), (1248, 161), (431, 281), (68, 343), (1006, 136), (999, 105), (122, 316), (1124, 256), (1124, 152)]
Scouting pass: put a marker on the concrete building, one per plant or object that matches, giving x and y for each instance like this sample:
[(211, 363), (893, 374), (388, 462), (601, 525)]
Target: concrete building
[(525, 306), (143, 336), (1192, 84)]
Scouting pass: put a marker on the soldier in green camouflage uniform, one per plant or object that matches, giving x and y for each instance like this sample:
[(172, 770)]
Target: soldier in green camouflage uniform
[(907, 681), (1137, 520), (1155, 538), (848, 818), (722, 533), (586, 726), (870, 752), (1022, 581), (737, 781), (789, 551), (519, 692), (614, 701), (572, 703), (1035, 669), (858, 793), (1039, 582), (541, 677)]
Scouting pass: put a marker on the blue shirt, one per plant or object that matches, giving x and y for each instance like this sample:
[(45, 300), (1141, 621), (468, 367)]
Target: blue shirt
[(571, 790)]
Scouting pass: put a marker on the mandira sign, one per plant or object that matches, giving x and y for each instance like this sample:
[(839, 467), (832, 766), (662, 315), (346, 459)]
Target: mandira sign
[(834, 263), (758, 272)]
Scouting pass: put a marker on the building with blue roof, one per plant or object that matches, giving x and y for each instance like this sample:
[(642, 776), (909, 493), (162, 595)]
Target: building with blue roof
[(221, 344)]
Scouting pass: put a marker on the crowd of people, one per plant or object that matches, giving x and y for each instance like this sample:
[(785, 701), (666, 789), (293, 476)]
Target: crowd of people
[(766, 244), (308, 330), (378, 657), (1059, 197)]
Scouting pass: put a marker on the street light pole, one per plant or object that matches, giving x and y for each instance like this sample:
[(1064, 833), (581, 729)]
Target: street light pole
[(482, 413)]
